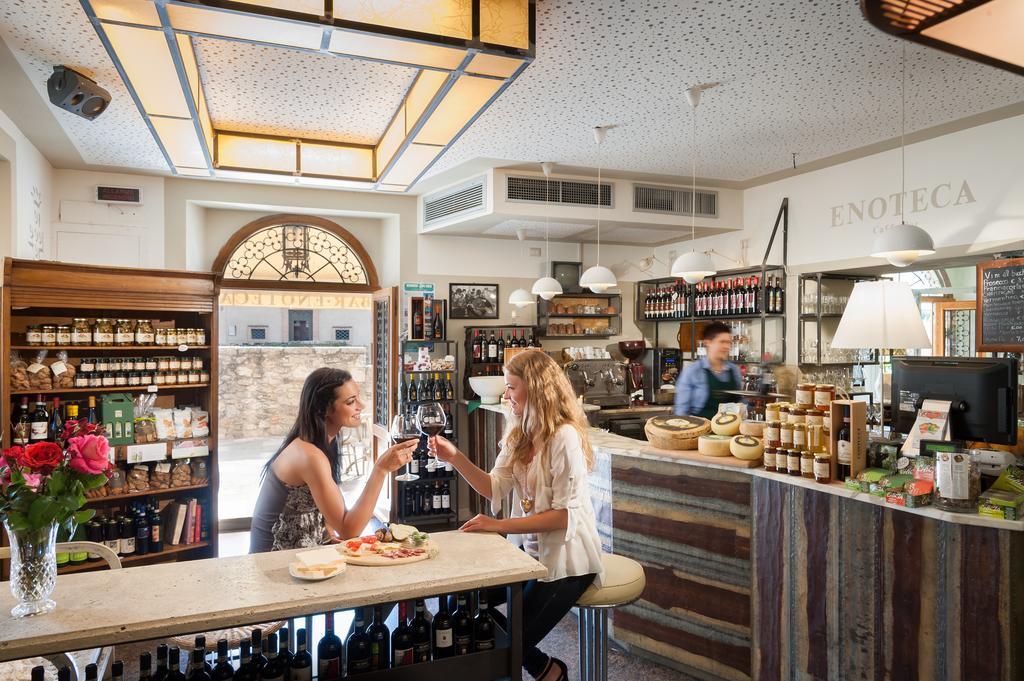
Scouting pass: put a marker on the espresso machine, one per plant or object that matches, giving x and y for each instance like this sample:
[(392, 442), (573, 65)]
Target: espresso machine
[(600, 382), (634, 352), (661, 371)]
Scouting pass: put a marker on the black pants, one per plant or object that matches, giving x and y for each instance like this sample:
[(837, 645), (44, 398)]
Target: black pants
[(544, 606)]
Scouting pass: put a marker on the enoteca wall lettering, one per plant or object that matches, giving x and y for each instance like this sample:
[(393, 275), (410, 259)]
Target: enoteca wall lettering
[(917, 200)]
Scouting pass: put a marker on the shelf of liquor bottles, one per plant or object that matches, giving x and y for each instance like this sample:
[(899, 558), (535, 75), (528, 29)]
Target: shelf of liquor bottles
[(731, 294), (485, 350)]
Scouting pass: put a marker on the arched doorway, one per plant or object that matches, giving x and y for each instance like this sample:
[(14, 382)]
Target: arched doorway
[(295, 294)]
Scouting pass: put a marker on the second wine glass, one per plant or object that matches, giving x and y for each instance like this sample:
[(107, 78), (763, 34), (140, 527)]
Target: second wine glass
[(403, 429)]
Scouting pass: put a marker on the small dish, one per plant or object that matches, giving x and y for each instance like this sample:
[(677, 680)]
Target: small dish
[(315, 573)]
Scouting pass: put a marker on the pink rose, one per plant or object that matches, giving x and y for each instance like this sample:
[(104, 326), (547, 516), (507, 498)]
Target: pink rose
[(89, 454), (33, 480)]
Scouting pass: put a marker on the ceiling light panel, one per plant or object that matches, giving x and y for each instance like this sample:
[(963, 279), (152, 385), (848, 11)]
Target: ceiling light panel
[(244, 26), (127, 11), (993, 29), (413, 160), (146, 59), (312, 7), (395, 50), (242, 152), (336, 161), (460, 104), (179, 139), (505, 22), (449, 18)]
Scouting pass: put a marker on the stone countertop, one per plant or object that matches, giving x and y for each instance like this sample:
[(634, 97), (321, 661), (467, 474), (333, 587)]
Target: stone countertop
[(156, 601), (617, 445)]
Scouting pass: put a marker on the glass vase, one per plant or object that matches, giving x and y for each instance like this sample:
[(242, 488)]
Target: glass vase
[(33, 569)]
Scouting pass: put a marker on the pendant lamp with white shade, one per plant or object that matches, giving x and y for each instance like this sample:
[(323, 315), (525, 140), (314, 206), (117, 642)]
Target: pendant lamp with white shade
[(547, 287), (693, 266), (521, 298), (599, 278), (905, 243)]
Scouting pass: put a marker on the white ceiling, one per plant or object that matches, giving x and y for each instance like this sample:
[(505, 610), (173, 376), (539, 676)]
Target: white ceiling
[(802, 76)]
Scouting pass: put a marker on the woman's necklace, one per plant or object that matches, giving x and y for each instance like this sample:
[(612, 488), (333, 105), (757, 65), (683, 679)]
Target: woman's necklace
[(527, 503)]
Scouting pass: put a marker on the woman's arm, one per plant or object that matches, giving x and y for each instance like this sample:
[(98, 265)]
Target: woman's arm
[(548, 521)]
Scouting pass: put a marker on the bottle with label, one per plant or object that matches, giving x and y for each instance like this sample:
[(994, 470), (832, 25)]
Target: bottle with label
[(401, 639), (274, 669), (328, 652), (380, 640), (198, 671), (302, 662), (799, 436), (769, 459), (462, 626), (449, 388), (90, 415), (793, 461), (417, 324), (436, 500), (438, 327), (844, 445), (357, 647), (483, 625), (223, 670), (438, 393), (21, 433), (446, 498), (444, 636), (822, 460), (247, 671), (420, 634), (492, 349), (40, 421), (142, 533), (127, 536)]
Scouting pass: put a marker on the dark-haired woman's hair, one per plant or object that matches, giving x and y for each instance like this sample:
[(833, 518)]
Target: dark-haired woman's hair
[(715, 328), (318, 394)]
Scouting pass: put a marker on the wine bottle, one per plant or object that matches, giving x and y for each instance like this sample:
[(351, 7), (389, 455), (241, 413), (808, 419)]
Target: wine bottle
[(438, 388), (844, 445), (22, 430), (302, 662), (55, 426), (462, 626), (199, 672), (173, 665), (156, 530), (259, 660), (116, 671), (223, 670), (161, 663), (146, 667), (328, 652), (380, 640), (477, 348), (501, 346), (449, 387), (446, 497), (274, 669), (492, 349), (247, 671), (444, 638), (142, 535), (39, 673), (438, 327), (40, 422), (64, 674), (90, 672), (420, 634), (449, 428), (90, 415), (483, 625), (436, 500), (284, 648), (357, 647), (401, 639)]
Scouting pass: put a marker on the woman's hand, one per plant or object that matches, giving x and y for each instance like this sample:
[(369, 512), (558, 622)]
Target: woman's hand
[(397, 456), (441, 449), (482, 523)]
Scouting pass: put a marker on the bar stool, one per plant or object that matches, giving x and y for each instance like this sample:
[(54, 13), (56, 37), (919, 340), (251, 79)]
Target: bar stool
[(624, 581)]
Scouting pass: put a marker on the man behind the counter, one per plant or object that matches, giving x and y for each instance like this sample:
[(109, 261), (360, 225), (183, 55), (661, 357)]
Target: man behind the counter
[(700, 387)]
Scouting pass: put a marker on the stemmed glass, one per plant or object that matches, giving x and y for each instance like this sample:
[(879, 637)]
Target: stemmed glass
[(431, 419), (403, 429)]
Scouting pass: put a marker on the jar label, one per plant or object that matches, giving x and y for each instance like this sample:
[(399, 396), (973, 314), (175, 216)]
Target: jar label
[(769, 459), (771, 434), (800, 439), (787, 436), (100, 337), (122, 338), (81, 337), (793, 462), (822, 399), (143, 338), (844, 450), (804, 397), (806, 465), (952, 475), (34, 337), (822, 469), (63, 339)]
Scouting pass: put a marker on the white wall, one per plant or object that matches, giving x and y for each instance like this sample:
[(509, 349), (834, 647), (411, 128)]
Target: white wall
[(28, 188), (276, 321)]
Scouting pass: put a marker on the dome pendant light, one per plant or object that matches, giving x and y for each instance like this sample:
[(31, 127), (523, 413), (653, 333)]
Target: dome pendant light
[(547, 287), (693, 266), (599, 279), (905, 243), (521, 298)]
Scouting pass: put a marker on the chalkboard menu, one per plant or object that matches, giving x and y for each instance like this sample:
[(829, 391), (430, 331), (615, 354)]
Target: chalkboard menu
[(1001, 306)]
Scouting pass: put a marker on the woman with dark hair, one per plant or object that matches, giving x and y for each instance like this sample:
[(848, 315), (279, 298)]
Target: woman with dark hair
[(299, 504)]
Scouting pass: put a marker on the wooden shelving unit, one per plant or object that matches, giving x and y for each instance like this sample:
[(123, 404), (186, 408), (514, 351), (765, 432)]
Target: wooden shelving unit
[(596, 324), (37, 292), (169, 553)]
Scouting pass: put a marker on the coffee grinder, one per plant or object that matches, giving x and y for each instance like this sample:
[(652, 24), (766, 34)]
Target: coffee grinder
[(634, 352)]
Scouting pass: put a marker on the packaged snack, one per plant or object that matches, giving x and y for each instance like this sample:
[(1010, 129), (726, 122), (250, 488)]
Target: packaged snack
[(63, 371), (924, 468), (183, 423), (200, 423), (869, 476), (116, 482), (164, 423), (98, 492), (145, 423), (889, 483), (19, 373), (138, 478), (181, 474), (39, 376), (200, 472), (1011, 480), (160, 478), (997, 503)]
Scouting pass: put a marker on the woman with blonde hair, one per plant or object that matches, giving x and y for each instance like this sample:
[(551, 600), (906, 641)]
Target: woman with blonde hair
[(544, 459)]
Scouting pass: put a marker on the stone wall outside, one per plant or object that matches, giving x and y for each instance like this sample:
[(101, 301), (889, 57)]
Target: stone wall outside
[(259, 387)]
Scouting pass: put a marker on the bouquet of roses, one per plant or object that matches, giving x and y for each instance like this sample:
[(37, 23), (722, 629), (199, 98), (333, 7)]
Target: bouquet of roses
[(44, 482)]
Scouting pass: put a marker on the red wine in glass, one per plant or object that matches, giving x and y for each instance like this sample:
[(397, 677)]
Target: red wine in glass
[(403, 429), (432, 429)]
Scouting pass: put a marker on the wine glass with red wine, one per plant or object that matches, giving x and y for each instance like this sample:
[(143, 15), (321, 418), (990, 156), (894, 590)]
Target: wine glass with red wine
[(431, 419), (403, 429)]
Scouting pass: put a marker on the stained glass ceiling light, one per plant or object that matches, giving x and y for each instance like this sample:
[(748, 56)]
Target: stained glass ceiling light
[(466, 54), (988, 31)]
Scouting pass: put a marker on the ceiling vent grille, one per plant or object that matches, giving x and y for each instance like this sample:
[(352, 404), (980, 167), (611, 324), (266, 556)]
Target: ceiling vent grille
[(566, 192), (454, 201), (671, 200)]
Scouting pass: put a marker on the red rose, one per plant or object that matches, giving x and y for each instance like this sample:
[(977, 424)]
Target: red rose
[(40, 455)]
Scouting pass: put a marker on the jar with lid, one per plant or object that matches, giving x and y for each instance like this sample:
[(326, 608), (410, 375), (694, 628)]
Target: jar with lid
[(197, 362), (804, 394), (769, 459), (146, 377), (109, 381), (193, 376), (124, 332), (81, 380), (793, 461), (134, 378), (784, 413), (34, 334), (120, 379), (799, 436), (96, 380), (87, 365), (170, 377), (163, 363), (159, 378), (174, 363), (103, 332), (114, 364), (807, 464), (200, 336), (144, 334), (786, 435), (139, 364), (81, 332), (103, 364), (186, 363), (771, 411), (182, 377), (773, 434), (63, 334), (957, 481), (190, 337), (813, 417), (160, 336), (204, 376), (824, 393), (150, 364), (797, 415), (49, 332), (172, 336)]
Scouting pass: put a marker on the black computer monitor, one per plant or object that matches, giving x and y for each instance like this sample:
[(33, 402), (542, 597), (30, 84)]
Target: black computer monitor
[(983, 392)]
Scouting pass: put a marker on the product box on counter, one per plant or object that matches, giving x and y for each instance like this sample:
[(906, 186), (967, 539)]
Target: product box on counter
[(156, 451), (997, 503), (858, 435), (915, 494)]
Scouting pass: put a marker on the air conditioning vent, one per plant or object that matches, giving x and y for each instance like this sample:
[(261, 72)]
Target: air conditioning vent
[(672, 200), (454, 201), (566, 192)]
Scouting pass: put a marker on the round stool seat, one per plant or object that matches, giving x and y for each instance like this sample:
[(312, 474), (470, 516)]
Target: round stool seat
[(623, 579)]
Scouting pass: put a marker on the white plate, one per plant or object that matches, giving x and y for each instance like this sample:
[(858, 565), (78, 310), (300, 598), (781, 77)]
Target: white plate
[(294, 572)]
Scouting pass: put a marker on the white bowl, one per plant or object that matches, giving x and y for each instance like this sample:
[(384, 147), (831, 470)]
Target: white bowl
[(489, 388)]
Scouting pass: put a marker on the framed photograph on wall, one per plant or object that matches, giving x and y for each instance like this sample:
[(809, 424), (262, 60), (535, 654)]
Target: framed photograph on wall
[(472, 301)]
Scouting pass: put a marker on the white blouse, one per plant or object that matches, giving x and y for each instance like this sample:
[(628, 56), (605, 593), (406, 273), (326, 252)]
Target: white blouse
[(561, 484)]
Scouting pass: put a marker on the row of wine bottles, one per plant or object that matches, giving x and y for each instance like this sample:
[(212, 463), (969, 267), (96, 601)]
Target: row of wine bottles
[(46, 424), (492, 349), (368, 647), (429, 387), (734, 296)]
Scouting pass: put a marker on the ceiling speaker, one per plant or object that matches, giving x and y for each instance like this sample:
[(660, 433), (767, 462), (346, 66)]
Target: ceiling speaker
[(74, 92)]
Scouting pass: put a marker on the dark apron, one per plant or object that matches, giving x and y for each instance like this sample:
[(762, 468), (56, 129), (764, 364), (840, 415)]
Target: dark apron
[(716, 393)]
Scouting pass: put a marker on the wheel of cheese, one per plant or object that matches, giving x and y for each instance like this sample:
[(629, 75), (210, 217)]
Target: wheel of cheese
[(746, 447), (726, 424), (714, 445), (676, 432), (754, 428)]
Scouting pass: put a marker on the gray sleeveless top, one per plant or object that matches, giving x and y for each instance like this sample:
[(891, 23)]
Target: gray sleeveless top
[(285, 517)]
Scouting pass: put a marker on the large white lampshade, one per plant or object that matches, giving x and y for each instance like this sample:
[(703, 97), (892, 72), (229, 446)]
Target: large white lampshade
[(903, 244), (693, 267), (599, 279), (546, 287), (521, 298), (881, 314)]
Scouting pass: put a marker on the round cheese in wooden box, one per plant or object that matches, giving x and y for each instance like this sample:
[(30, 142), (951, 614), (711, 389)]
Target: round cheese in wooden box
[(676, 432)]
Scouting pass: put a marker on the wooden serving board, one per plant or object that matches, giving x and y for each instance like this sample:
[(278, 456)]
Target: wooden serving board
[(378, 561), (694, 455)]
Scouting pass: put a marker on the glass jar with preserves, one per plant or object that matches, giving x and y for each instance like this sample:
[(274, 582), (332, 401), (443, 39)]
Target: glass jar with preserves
[(190, 337), (87, 365), (786, 435), (773, 434), (120, 379), (146, 377), (824, 393), (186, 363), (807, 464), (784, 413), (159, 378), (144, 333), (182, 377), (160, 336), (804, 394), (173, 363), (109, 380), (799, 436), (49, 332), (134, 378), (124, 332), (771, 411), (103, 332), (163, 363), (34, 334), (103, 364), (769, 459), (170, 377), (172, 336), (63, 334), (793, 461), (197, 362), (81, 380), (114, 364), (797, 415), (150, 364), (96, 380), (200, 336), (81, 332), (204, 376), (813, 417), (139, 364), (193, 376)]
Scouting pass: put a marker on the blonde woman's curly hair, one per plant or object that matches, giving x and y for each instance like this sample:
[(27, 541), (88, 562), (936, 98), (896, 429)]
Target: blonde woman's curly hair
[(550, 404)]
